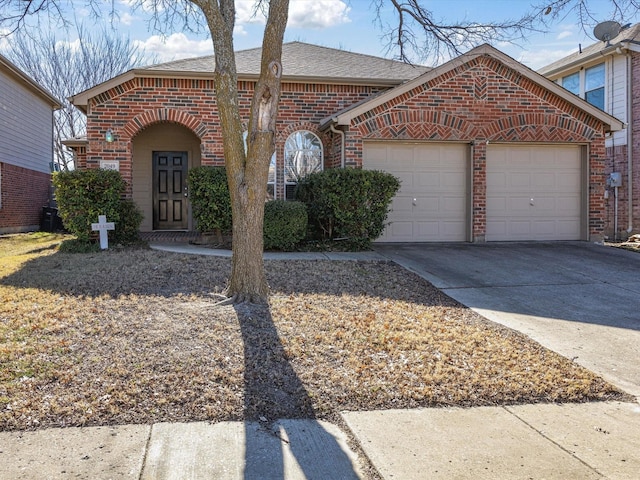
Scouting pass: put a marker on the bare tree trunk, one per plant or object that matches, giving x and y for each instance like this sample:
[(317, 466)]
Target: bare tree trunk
[(247, 172)]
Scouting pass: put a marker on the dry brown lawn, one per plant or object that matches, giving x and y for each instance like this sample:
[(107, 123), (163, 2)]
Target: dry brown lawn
[(134, 336)]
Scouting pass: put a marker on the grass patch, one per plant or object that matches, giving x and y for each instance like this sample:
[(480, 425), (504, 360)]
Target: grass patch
[(133, 336)]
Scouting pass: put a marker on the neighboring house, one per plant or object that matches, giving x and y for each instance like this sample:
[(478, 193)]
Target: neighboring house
[(486, 149), (607, 74), (26, 149)]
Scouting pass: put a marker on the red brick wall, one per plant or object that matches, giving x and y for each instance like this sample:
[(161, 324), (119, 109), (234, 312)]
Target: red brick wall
[(484, 100), (141, 102), (24, 193), (617, 162), (478, 101)]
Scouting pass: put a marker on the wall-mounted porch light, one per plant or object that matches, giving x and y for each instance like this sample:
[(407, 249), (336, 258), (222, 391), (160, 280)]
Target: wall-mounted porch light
[(108, 136)]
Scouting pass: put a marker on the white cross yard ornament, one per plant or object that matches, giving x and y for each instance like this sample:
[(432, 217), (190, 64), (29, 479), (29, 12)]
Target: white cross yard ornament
[(103, 226)]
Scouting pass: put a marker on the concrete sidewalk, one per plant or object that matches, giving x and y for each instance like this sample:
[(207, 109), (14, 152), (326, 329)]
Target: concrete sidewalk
[(563, 442), (548, 441)]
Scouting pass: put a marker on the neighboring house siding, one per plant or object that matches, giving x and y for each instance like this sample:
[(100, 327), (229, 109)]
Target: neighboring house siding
[(617, 104), (26, 150), (617, 147), (23, 193), (26, 128), (616, 96)]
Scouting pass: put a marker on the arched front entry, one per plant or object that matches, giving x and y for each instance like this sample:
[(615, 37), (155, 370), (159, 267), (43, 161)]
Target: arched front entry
[(162, 155)]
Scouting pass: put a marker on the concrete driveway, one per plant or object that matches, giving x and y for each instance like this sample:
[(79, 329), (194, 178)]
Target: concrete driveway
[(579, 299)]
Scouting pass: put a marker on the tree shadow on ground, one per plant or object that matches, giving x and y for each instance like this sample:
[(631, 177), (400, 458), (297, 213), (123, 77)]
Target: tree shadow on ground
[(273, 396)]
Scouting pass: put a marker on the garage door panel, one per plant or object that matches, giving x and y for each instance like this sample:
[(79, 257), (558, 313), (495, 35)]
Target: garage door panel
[(497, 204), (516, 205), (427, 180), (541, 182), (534, 192), (402, 205), (497, 180), (452, 205), (518, 180), (543, 206), (520, 229), (568, 181), (498, 228), (453, 180), (567, 227), (406, 179), (402, 229), (545, 158), (431, 204), (440, 231)]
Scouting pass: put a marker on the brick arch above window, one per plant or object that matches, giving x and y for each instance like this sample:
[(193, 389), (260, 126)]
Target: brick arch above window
[(282, 135), (164, 115)]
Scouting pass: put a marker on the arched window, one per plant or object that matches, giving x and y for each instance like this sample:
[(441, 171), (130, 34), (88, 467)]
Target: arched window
[(302, 156)]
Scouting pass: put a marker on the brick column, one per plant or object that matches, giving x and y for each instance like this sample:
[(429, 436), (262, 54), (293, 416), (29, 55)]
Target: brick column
[(479, 191)]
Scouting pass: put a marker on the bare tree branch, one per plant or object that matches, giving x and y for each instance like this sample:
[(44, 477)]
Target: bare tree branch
[(66, 68), (417, 35), (581, 12)]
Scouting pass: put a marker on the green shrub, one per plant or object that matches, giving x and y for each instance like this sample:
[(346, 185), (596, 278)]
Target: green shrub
[(128, 226), (210, 199), (350, 204), (83, 195), (285, 224)]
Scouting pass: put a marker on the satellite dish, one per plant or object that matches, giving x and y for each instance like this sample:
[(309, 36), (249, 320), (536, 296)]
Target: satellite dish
[(605, 31)]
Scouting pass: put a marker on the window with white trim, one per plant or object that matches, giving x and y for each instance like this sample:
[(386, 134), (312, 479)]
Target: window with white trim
[(302, 155), (594, 86), (572, 83), (587, 84)]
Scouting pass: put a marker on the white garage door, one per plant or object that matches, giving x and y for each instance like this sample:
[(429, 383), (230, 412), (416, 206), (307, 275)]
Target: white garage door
[(431, 205), (534, 192)]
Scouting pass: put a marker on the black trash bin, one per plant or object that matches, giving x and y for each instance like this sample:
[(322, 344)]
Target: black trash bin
[(51, 221)]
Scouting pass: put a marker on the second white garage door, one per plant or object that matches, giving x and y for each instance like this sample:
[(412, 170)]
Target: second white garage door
[(534, 192), (431, 205)]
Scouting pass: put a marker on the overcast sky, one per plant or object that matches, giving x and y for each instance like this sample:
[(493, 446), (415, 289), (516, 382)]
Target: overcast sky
[(349, 25)]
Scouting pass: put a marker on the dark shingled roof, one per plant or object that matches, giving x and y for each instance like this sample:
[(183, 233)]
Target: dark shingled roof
[(308, 61)]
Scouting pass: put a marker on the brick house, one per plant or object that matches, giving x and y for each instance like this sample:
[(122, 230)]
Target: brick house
[(486, 149), (26, 149), (607, 74)]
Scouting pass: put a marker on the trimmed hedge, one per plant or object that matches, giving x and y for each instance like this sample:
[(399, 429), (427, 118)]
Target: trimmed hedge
[(210, 199), (83, 195), (349, 204), (285, 224)]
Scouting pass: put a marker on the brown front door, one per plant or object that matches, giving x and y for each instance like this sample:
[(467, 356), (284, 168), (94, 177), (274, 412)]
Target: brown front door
[(170, 191)]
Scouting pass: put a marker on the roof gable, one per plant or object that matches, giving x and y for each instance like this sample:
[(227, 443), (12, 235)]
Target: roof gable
[(346, 116)]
